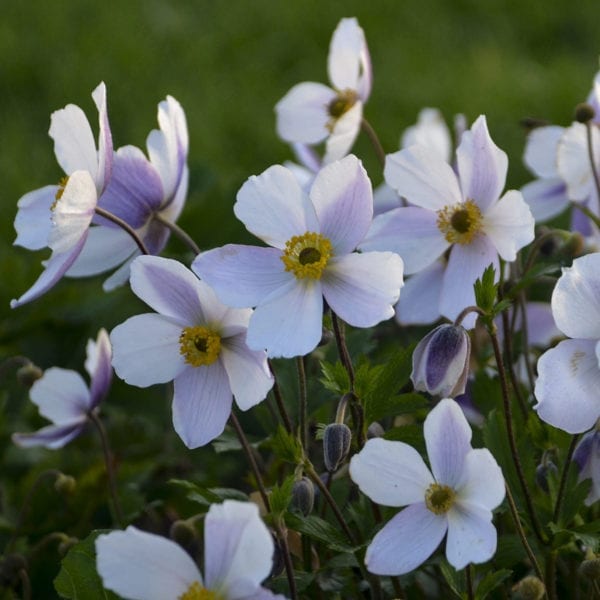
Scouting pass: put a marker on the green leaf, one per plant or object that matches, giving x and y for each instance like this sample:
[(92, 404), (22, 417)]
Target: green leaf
[(454, 579), (409, 434), (486, 290), (396, 405), (78, 578), (281, 495), (574, 497), (490, 582), (286, 446), (207, 496), (320, 530), (335, 377)]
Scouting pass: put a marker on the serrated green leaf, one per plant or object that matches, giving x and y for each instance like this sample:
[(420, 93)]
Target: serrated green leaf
[(281, 495), (319, 529), (400, 404), (207, 496), (286, 446), (335, 377), (490, 582), (588, 536), (78, 578), (486, 290)]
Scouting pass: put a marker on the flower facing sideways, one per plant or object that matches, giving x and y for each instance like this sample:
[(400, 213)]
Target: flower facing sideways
[(63, 397), (195, 341), (238, 556), (455, 498)]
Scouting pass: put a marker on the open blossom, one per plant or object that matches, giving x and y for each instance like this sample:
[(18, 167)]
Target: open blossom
[(195, 341), (63, 397), (313, 238), (569, 374), (312, 112), (144, 192), (460, 212), (238, 556), (59, 216), (455, 498)]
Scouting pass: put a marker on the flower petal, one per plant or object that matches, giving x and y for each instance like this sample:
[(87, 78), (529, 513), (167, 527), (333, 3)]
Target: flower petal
[(482, 166), (471, 535), (168, 287), (509, 224), (343, 201), (144, 566), (274, 208), (406, 541), (98, 365), (465, 265), (289, 322), (33, 222), (363, 288), (146, 350), (201, 403), (448, 440), (541, 150), (567, 386), (411, 232), (546, 198), (238, 553), (390, 473), (576, 298), (431, 132), (242, 276), (61, 395), (345, 130), (51, 436), (482, 482), (420, 299), (248, 371), (105, 145), (421, 177), (302, 114)]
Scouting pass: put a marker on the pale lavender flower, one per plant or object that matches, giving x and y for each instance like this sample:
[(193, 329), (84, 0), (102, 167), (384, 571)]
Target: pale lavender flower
[(312, 112), (462, 212), (455, 498), (63, 397), (195, 341), (569, 374), (59, 216), (312, 257), (238, 556), (587, 459)]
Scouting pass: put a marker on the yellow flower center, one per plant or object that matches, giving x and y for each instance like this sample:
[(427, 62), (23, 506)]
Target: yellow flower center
[(306, 255), (62, 184), (460, 223), (199, 345), (439, 498), (341, 104), (197, 592)]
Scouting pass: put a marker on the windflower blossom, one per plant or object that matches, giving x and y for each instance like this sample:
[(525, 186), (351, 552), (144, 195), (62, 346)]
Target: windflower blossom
[(312, 112), (238, 556), (460, 213), (195, 341), (59, 216), (312, 256), (569, 374), (456, 497), (63, 397)]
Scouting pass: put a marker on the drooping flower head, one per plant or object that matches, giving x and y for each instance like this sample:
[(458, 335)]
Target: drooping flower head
[(455, 498), (313, 238), (195, 341), (238, 556), (63, 397), (312, 112), (461, 213), (59, 216)]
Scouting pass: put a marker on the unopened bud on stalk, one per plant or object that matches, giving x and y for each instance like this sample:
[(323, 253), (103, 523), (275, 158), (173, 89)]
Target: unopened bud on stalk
[(336, 444), (28, 374), (65, 484), (584, 112), (590, 568), (440, 362), (326, 337), (303, 496), (66, 544), (529, 588), (375, 430), (542, 473), (182, 532), (278, 562)]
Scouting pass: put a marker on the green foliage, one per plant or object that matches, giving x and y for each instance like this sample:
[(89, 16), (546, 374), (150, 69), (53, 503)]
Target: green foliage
[(486, 290), (281, 496), (286, 446), (207, 496), (319, 530), (490, 582)]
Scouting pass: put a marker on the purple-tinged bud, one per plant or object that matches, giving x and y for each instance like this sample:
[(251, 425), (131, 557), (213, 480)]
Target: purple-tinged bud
[(440, 362), (336, 444), (542, 472), (375, 430), (303, 496)]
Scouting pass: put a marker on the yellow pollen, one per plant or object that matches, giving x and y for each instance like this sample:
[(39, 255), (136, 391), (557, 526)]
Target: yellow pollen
[(306, 255), (460, 223), (197, 592), (62, 184), (341, 104), (439, 498), (200, 346)]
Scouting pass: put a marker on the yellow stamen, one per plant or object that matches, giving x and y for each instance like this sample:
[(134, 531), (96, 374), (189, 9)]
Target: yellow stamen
[(341, 104), (439, 498), (62, 184), (460, 223), (197, 592), (306, 255), (199, 345)]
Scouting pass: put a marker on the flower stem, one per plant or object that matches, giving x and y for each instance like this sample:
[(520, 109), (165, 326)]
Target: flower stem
[(303, 403), (379, 151), (178, 232), (463, 313), (123, 225), (588, 129), (340, 340), (287, 423), (469, 582), (108, 461), (563, 479)]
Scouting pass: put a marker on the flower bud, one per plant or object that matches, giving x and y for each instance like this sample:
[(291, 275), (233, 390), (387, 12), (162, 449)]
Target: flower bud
[(530, 588), (65, 484), (303, 496), (440, 362), (182, 532), (28, 374), (336, 444), (542, 472), (375, 430), (584, 112), (590, 568), (65, 545)]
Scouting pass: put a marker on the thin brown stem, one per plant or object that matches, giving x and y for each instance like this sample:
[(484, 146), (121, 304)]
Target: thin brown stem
[(465, 311), (302, 403), (178, 232), (590, 145), (509, 361), (379, 151), (340, 340), (563, 479), (123, 225), (469, 582), (287, 423)]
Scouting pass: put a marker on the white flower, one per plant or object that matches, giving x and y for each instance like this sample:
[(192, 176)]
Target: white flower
[(312, 112), (238, 556), (456, 497), (195, 341)]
